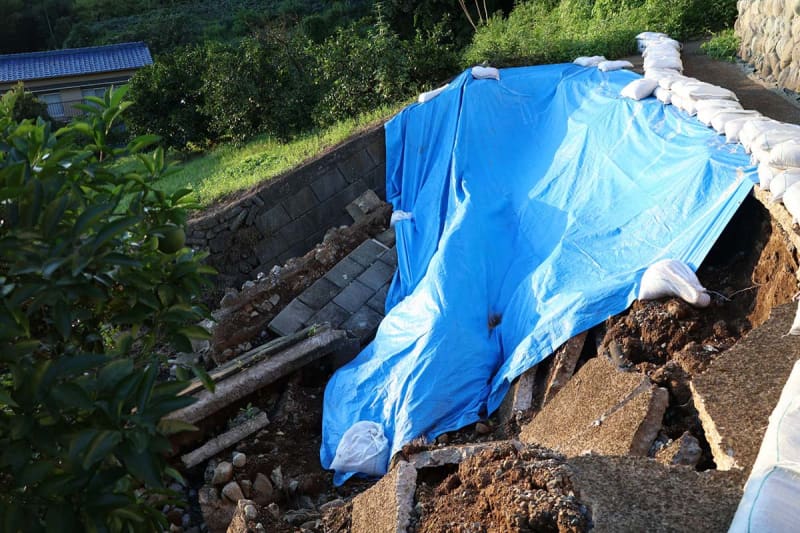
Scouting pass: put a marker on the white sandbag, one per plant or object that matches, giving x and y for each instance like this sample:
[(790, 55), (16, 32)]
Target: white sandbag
[(721, 118), (363, 449), (485, 73), (608, 66), (659, 73), (782, 181), (668, 81), (652, 36), (791, 199), (752, 129), (785, 154), (682, 87), (733, 127), (671, 277), (704, 91), (638, 89), (769, 138), (770, 501), (765, 175), (589, 61), (706, 112), (664, 62), (397, 216), (662, 47), (676, 100), (663, 95), (688, 105), (430, 95)]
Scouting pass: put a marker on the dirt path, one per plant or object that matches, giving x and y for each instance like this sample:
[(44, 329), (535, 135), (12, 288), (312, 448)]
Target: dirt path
[(752, 94)]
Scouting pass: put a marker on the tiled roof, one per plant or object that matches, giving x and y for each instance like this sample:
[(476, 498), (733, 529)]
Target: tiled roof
[(73, 61)]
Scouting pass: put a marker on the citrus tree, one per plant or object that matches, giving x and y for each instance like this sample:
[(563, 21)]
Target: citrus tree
[(94, 283)]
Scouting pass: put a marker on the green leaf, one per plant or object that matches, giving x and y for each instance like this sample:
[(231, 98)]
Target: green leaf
[(62, 319), (170, 426), (6, 399), (90, 217), (204, 378), (71, 395), (195, 332), (35, 472), (100, 447), (112, 229), (61, 517), (67, 366), (114, 372), (117, 94), (142, 466), (174, 474)]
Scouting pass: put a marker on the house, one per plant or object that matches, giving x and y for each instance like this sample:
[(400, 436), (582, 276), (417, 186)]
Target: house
[(62, 78)]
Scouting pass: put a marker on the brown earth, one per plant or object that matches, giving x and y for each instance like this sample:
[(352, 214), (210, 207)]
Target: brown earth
[(750, 269)]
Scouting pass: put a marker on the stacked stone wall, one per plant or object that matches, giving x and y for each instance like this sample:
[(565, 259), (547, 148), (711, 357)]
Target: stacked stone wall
[(770, 34), (288, 215)]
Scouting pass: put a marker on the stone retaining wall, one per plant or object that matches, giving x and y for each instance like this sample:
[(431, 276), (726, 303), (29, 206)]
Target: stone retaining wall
[(286, 216), (770, 33)]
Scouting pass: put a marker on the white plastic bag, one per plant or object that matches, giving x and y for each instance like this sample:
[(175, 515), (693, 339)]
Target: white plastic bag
[(638, 89), (589, 61), (430, 95), (734, 127), (363, 449), (782, 181), (485, 73), (791, 199), (671, 277), (668, 81), (608, 66), (785, 154), (754, 128), (772, 137), (397, 216)]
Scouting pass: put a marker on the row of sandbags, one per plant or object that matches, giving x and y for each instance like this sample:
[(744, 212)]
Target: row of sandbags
[(774, 146)]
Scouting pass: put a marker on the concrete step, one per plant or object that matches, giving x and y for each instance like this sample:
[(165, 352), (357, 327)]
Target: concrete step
[(350, 296), (736, 395), (601, 409)]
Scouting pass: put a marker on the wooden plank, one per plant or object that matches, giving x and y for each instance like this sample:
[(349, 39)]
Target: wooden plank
[(226, 440), (263, 373)]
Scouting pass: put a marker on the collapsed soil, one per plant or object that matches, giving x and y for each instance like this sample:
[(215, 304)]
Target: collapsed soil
[(749, 270), (502, 489)]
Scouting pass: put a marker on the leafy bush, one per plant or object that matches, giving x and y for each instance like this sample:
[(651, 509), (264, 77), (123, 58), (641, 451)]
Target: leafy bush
[(92, 276), (362, 69), (169, 99), (541, 32), (724, 45), (26, 105)]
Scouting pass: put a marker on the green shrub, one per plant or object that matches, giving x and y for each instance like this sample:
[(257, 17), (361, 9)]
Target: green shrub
[(540, 32), (26, 105), (723, 45), (168, 98), (88, 293)]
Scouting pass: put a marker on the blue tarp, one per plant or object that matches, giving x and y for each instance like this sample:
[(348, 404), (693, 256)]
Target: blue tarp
[(538, 201)]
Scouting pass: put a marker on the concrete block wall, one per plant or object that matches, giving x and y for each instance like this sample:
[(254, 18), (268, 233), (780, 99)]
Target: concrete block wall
[(287, 215), (770, 34)]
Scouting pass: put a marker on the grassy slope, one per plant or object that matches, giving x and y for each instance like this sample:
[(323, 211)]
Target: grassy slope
[(229, 168)]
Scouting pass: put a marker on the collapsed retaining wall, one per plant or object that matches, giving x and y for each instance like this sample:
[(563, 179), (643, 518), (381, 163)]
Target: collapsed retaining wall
[(770, 33), (286, 216)]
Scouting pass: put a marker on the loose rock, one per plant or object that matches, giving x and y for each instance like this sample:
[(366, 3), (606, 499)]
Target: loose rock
[(233, 492), (239, 459), (223, 473)]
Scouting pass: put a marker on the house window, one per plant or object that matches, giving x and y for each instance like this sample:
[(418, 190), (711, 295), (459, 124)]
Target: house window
[(55, 107), (94, 91)]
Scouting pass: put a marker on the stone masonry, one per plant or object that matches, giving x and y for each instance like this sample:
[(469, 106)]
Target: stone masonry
[(350, 296), (287, 215), (770, 34)]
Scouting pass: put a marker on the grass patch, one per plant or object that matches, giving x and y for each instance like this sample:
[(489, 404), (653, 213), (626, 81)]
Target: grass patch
[(723, 45), (230, 168)]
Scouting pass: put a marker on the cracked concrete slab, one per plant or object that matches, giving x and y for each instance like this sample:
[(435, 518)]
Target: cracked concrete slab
[(640, 494), (736, 395), (386, 507), (603, 410)]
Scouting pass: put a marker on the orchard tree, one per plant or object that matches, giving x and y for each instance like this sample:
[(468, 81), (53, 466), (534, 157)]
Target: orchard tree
[(94, 282)]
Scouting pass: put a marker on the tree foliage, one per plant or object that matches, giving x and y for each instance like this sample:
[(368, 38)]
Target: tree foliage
[(86, 293)]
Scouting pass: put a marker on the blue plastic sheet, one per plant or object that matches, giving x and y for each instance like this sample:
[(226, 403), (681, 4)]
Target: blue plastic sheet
[(538, 201)]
